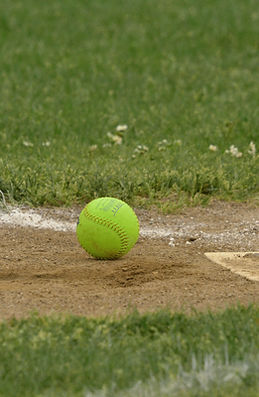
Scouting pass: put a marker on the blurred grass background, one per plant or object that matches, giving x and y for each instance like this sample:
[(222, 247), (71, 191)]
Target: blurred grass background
[(181, 75), (155, 354)]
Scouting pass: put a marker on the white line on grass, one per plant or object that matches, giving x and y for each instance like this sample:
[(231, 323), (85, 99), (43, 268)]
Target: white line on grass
[(208, 379)]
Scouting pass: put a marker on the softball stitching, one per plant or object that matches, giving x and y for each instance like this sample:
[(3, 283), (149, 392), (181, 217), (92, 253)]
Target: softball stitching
[(124, 240)]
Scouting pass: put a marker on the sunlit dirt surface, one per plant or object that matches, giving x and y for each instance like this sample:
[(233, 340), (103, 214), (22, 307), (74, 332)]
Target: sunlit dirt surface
[(47, 271)]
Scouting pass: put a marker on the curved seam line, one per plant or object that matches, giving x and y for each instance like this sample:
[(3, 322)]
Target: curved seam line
[(113, 226)]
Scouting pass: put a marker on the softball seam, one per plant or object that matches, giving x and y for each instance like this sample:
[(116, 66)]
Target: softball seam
[(113, 226)]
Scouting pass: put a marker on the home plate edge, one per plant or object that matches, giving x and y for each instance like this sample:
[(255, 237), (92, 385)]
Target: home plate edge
[(245, 264)]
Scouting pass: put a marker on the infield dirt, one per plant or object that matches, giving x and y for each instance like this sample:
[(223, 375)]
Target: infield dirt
[(48, 271)]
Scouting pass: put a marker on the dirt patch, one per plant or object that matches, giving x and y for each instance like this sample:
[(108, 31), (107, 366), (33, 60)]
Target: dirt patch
[(48, 271)]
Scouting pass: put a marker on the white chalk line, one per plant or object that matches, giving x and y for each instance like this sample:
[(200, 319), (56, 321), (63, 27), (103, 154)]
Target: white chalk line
[(30, 218)]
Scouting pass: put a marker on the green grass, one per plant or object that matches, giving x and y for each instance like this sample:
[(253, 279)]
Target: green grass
[(159, 354), (183, 71), (182, 75)]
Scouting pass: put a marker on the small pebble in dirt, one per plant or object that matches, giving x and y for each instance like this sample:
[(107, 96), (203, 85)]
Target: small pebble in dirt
[(172, 242)]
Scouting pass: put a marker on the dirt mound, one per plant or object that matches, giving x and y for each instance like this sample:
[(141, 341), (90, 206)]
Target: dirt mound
[(48, 271)]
